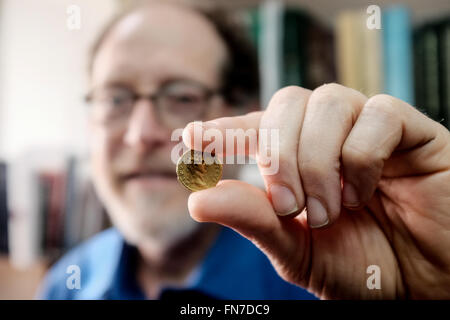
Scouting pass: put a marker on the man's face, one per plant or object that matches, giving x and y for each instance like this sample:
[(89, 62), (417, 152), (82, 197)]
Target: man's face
[(161, 46)]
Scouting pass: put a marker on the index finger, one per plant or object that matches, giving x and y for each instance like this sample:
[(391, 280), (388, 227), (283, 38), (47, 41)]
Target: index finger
[(233, 135)]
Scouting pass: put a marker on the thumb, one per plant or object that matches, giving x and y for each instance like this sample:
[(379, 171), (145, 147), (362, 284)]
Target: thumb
[(247, 210)]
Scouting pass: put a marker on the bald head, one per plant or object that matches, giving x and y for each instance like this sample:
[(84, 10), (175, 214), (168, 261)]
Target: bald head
[(160, 41)]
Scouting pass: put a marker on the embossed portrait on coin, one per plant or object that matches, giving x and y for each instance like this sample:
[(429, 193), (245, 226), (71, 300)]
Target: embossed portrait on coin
[(197, 172)]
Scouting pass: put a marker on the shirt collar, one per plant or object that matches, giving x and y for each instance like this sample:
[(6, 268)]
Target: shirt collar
[(211, 276)]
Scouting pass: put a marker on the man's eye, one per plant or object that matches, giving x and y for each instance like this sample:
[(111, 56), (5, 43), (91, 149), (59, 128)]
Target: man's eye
[(186, 99), (118, 101)]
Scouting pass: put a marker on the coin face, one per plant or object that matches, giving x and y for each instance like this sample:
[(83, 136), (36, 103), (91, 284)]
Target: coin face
[(198, 170)]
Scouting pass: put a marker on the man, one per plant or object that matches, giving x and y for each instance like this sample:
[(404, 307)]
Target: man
[(373, 175), (196, 66)]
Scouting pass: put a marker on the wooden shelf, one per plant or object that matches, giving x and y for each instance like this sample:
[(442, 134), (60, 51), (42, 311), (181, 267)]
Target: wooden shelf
[(20, 284)]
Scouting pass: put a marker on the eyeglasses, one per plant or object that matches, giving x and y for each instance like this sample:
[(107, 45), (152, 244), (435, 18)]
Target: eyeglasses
[(177, 103)]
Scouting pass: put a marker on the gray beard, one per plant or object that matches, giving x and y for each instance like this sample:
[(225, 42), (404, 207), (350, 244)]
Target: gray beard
[(144, 223)]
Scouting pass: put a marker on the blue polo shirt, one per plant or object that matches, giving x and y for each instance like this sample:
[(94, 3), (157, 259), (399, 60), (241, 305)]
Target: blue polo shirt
[(233, 268)]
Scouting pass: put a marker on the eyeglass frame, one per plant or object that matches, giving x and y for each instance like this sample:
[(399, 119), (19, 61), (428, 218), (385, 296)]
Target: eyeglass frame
[(154, 97)]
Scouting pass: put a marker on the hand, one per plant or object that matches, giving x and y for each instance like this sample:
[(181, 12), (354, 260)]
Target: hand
[(374, 176)]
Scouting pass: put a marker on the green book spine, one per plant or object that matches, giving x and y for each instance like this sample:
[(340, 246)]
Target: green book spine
[(295, 24), (419, 70), (254, 26), (444, 66), (431, 73)]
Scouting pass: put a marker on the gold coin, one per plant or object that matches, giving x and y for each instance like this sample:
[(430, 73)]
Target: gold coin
[(198, 170)]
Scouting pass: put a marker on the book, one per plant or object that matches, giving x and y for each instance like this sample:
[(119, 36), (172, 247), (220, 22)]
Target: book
[(349, 49), (51, 198), (44, 221), (25, 222), (397, 53), (44, 189), (306, 54), (359, 53), (419, 71), (432, 70), (372, 44), (444, 75), (268, 20), (320, 56), (72, 220), (94, 218), (431, 74), (3, 210), (427, 71), (294, 59)]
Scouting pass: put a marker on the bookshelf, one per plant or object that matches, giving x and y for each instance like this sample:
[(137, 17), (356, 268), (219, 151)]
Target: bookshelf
[(407, 58), (326, 10), (51, 209), (16, 283)]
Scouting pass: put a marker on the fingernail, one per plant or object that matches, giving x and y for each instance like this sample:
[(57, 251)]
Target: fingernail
[(283, 200), (317, 215), (350, 195)]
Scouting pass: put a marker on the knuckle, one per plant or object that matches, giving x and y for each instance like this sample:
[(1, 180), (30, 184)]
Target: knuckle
[(359, 158), (332, 87), (328, 94), (312, 172), (289, 93), (383, 109), (381, 104), (286, 164)]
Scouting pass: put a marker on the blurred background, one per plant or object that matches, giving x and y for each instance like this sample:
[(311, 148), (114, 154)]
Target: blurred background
[(47, 202)]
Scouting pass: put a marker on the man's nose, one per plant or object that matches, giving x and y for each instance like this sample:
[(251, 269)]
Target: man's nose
[(144, 130)]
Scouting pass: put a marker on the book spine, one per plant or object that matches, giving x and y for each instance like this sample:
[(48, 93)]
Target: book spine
[(24, 223), (431, 73), (350, 51), (295, 26), (70, 219), (373, 60), (419, 70), (3, 210), (43, 192), (320, 54), (397, 45), (444, 66), (269, 49)]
